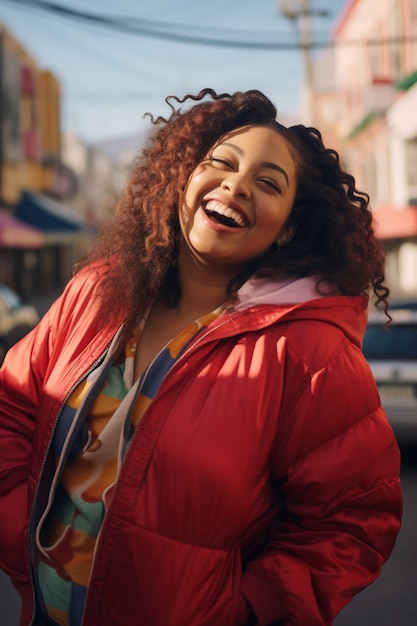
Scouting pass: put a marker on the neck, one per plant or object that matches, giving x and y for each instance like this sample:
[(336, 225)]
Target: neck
[(203, 288), (200, 296)]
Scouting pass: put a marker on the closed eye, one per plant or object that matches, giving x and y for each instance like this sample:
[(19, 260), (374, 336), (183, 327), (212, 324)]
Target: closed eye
[(222, 161), (271, 183)]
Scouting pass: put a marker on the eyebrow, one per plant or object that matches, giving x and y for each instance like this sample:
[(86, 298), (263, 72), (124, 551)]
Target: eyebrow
[(273, 166)]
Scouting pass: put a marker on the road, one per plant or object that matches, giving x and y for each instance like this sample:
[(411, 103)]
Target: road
[(390, 601)]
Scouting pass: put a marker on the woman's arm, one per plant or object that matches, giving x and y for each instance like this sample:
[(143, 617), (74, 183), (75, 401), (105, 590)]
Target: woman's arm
[(342, 507), (21, 379)]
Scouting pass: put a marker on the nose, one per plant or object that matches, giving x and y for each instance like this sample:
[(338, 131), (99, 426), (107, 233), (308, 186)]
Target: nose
[(237, 183)]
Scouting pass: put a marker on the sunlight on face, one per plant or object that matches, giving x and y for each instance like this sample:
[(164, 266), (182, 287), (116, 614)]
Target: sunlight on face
[(238, 199)]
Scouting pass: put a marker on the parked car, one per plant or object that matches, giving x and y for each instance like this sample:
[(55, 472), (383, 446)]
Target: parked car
[(403, 304), (392, 355), (17, 318)]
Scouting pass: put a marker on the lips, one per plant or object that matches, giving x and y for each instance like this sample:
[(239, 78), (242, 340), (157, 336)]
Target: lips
[(225, 214)]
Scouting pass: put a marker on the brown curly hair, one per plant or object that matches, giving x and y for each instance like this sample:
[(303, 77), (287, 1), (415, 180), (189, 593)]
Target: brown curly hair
[(333, 240)]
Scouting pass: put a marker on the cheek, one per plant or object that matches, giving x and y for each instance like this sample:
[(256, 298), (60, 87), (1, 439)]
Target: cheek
[(200, 181), (188, 205), (187, 200), (189, 195), (184, 214), (194, 186), (276, 216)]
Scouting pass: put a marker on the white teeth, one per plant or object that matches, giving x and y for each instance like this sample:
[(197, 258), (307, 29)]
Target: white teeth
[(217, 207)]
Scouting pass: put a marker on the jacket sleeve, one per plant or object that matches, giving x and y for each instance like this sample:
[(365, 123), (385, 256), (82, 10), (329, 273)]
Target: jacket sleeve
[(21, 378), (22, 392), (341, 498), (32, 389)]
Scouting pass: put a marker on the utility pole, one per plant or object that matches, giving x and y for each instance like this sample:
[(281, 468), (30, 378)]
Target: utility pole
[(299, 12)]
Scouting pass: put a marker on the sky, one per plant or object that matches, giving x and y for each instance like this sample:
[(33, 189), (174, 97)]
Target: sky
[(110, 77)]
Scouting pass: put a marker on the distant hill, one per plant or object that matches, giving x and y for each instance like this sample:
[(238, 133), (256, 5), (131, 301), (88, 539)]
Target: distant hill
[(125, 148)]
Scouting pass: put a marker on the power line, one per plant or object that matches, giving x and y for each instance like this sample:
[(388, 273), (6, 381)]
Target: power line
[(212, 37), (162, 30)]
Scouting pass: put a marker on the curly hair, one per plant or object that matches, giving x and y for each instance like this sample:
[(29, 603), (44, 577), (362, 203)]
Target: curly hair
[(334, 239)]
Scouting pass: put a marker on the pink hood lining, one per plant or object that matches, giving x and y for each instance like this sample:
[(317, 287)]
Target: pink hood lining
[(292, 291)]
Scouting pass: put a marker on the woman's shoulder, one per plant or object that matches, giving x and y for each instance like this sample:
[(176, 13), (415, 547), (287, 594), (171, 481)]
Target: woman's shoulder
[(81, 293), (88, 278)]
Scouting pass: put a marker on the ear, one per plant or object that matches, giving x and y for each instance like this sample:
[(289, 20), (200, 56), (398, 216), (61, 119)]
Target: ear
[(285, 235)]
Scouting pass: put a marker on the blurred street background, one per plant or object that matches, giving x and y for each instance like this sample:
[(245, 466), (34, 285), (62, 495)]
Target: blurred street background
[(77, 77)]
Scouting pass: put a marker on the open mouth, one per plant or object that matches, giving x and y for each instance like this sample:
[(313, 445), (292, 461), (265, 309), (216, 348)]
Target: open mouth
[(224, 215)]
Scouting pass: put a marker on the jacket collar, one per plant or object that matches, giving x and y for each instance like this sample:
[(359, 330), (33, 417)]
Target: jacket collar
[(263, 303), (256, 292)]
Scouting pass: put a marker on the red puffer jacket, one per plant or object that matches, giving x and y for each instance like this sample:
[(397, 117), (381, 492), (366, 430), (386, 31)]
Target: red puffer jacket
[(264, 472)]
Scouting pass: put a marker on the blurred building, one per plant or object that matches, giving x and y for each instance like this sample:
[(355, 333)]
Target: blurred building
[(325, 104), (375, 69), (40, 233), (98, 178)]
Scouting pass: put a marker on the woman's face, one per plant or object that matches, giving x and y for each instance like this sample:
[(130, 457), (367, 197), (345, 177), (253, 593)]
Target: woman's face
[(238, 198)]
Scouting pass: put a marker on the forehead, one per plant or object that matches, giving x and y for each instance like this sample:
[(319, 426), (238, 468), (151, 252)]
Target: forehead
[(257, 138), (260, 143)]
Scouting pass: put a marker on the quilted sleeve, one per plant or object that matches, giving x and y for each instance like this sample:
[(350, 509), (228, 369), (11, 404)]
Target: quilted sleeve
[(22, 383), (21, 379), (336, 465)]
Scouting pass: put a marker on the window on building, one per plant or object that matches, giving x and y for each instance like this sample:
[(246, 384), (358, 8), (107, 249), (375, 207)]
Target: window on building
[(370, 171), (375, 56), (396, 44), (407, 263), (411, 160), (413, 31)]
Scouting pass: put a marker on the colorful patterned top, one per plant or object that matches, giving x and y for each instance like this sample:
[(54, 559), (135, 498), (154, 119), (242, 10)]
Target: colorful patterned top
[(69, 533)]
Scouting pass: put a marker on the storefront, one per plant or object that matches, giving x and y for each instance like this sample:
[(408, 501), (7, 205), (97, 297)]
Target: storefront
[(64, 237), (19, 243)]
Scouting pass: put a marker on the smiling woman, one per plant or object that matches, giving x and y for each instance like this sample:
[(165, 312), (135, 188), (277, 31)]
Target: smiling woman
[(237, 201), (195, 409)]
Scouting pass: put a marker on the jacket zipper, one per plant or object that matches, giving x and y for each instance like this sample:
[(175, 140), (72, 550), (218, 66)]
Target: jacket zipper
[(195, 345), (99, 360)]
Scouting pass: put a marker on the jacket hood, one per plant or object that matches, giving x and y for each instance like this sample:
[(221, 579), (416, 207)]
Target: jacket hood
[(298, 299), (291, 291)]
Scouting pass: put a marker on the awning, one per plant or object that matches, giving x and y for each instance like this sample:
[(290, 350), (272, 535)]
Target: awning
[(16, 234), (49, 216), (395, 223)]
